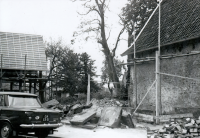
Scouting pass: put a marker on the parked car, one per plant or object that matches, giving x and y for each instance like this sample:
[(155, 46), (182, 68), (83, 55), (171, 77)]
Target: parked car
[(23, 113)]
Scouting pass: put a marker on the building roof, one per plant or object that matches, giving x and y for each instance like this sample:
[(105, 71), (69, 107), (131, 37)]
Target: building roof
[(180, 21), (18, 93), (15, 46)]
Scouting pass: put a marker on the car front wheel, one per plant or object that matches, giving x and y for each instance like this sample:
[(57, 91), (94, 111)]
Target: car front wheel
[(6, 130)]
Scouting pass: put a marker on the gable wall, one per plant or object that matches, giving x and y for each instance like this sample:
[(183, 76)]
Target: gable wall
[(176, 92)]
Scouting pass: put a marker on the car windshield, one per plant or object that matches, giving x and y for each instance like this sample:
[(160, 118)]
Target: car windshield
[(23, 101)]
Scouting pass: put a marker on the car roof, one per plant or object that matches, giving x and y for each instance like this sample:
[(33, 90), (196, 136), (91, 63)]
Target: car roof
[(18, 93)]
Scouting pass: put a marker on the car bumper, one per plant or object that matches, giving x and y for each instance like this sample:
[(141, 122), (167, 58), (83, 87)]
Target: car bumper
[(41, 125)]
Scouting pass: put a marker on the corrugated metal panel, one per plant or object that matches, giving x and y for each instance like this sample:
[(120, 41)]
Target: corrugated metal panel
[(15, 46)]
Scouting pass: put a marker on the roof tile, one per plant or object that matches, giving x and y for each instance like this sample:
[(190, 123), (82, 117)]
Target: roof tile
[(180, 20)]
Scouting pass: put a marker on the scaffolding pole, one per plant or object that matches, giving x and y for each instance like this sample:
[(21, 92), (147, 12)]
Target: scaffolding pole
[(144, 96), (1, 71), (158, 88), (134, 72), (25, 74), (158, 81)]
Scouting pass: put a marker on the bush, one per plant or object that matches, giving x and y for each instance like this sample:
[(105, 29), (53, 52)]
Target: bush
[(68, 100), (100, 95), (81, 98), (123, 95)]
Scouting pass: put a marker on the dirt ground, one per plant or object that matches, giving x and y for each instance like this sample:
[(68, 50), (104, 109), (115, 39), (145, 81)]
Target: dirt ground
[(68, 131), (140, 131)]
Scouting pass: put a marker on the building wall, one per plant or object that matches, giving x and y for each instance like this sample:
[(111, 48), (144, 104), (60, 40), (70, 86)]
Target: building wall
[(175, 92)]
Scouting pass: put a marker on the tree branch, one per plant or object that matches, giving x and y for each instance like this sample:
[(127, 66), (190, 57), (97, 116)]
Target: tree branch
[(99, 41), (93, 8), (99, 22), (108, 36), (118, 39)]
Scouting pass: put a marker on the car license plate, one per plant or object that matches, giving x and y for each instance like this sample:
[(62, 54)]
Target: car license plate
[(46, 118)]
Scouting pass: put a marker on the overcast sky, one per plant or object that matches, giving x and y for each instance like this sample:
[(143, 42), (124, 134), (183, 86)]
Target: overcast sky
[(57, 18)]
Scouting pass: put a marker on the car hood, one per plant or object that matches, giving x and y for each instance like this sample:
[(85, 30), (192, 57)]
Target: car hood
[(32, 109)]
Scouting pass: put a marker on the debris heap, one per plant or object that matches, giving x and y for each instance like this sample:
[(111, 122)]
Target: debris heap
[(107, 102), (178, 128), (104, 112)]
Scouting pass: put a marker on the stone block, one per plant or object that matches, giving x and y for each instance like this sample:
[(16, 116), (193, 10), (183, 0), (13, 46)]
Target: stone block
[(110, 116)]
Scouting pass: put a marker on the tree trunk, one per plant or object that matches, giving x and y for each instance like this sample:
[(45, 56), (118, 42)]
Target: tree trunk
[(112, 71), (109, 57)]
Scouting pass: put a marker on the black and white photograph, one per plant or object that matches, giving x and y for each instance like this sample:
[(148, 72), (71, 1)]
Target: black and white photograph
[(99, 68)]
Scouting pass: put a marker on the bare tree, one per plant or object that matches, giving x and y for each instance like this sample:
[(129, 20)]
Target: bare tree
[(98, 26)]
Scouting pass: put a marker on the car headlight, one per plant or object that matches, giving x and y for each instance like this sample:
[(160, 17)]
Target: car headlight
[(37, 118)]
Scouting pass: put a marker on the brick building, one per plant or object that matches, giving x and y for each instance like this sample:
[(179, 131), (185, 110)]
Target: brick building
[(180, 55)]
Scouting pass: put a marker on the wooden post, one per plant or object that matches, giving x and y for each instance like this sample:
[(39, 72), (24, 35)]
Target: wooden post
[(51, 89), (11, 86), (135, 73), (88, 90), (158, 88), (50, 81), (20, 85), (158, 81), (135, 84), (30, 84), (55, 93), (35, 81), (1, 71), (20, 81), (41, 90), (25, 74), (159, 18)]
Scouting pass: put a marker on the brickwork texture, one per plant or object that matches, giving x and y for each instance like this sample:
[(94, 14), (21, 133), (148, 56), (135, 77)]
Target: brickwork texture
[(175, 91)]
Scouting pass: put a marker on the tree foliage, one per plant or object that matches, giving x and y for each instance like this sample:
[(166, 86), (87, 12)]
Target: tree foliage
[(105, 71), (135, 14), (118, 65), (69, 70)]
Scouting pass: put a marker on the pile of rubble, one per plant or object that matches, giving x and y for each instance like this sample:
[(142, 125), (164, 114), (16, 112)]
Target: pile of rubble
[(178, 128), (113, 113), (107, 102), (76, 107), (68, 109), (97, 112)]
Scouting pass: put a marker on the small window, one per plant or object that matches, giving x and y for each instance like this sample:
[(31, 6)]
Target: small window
[(1, 100)]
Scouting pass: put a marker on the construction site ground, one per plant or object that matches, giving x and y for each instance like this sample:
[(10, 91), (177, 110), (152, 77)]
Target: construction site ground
[(101, 132), (110, 118)]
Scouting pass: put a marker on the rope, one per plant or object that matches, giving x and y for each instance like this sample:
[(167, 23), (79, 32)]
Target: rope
[(145, 96)]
